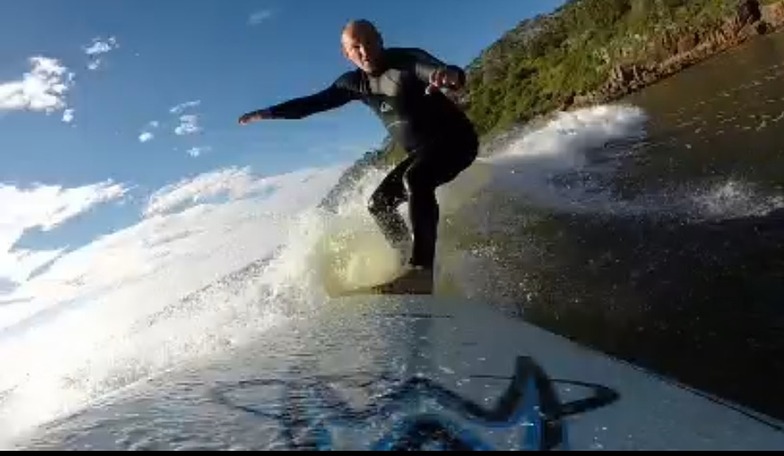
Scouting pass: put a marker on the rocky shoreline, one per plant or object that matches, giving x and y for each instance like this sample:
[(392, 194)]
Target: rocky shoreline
[(677, 53)]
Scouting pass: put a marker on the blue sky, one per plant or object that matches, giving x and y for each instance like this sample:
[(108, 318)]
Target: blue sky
[(227, 57)]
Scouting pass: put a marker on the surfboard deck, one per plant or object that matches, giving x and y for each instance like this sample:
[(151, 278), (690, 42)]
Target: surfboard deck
[(413, 372), (554, 393)]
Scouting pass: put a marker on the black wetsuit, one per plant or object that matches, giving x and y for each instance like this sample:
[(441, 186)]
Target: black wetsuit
[(439, 138)]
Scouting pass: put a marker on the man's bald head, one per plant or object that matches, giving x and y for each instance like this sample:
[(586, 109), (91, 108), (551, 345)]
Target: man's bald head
[(362, 27), (362, 44)]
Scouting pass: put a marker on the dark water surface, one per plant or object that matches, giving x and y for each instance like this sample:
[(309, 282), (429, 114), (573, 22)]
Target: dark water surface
[(693, 285)]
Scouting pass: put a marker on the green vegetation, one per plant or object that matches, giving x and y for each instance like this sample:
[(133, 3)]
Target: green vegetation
[(544, 62)]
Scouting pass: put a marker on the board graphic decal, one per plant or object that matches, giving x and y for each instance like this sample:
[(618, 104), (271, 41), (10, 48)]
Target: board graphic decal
[(311, 410)]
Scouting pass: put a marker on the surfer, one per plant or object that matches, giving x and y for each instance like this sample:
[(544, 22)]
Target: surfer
[(402, 86)]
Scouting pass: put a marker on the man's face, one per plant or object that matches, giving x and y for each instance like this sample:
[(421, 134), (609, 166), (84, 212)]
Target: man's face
[(363, 48)]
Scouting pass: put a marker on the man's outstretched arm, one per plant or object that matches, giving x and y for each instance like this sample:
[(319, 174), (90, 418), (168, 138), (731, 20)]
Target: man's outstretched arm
[(334, 96)]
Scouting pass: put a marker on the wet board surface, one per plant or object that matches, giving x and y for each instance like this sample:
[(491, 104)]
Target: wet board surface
[(392, 372)]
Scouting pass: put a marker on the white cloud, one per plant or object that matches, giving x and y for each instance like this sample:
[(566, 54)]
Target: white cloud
[(188, 122), (68, 115), (188, 125), (147, 135), (97, 48), (197, 151), (259, 16), (180, 223), (43, 207), (183, 106), (100, 46), (232, 181), (44, 88)]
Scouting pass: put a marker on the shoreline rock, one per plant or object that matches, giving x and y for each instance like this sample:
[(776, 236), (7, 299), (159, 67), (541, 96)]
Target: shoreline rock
[(681, 52)]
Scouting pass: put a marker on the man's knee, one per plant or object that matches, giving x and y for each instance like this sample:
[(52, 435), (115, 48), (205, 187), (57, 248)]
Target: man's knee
[(379, 204)]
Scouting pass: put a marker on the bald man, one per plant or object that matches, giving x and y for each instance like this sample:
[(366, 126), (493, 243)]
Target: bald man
[(402, 86)]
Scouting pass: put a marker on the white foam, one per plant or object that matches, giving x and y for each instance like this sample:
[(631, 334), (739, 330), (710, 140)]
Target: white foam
[(560, 144), (128, 306), (553, 165), (530, 163), (306, 261), (731, 199)]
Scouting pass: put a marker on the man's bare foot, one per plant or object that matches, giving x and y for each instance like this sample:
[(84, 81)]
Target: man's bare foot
[(413, 280)]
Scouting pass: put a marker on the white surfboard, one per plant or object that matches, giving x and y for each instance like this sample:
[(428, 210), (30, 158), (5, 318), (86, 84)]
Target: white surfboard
[(414, 372)]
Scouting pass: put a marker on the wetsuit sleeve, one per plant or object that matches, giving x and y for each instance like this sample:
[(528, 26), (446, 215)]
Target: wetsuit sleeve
[(425, 64), (339, 93)]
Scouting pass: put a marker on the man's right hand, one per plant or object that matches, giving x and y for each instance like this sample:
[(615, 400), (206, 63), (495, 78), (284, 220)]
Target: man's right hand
[(254, 116), (448, 77)]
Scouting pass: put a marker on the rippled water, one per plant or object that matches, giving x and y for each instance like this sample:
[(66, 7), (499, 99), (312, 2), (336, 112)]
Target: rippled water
[(671, 254)]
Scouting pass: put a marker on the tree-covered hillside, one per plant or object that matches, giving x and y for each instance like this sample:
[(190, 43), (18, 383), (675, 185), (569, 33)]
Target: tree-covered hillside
[(547, 62)]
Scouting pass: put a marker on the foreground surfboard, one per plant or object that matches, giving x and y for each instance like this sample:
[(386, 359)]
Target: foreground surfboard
[(413, 372)]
